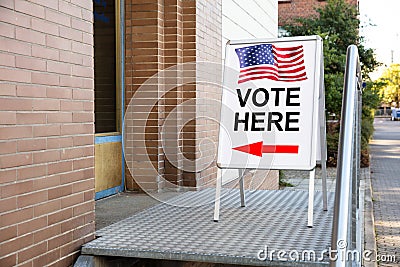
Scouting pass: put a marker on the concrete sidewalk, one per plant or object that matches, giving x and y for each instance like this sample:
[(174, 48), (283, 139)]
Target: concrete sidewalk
[(123, 205), (300, 179), (385, 167)]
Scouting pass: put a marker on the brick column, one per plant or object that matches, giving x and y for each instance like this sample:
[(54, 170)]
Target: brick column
[(173, 34), (161, 35), (144, 58)]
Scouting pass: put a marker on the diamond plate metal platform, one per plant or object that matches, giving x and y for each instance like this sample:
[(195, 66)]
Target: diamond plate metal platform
[(276, 220)]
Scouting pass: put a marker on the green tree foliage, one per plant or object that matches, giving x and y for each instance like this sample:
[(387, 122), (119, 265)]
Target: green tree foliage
[(389, 85), (338, 25)]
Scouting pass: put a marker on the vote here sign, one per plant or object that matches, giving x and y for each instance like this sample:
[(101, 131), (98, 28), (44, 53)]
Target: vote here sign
[(269, 114)]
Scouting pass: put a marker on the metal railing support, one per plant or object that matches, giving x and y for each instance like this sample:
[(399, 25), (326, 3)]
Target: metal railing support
[(343, 238)]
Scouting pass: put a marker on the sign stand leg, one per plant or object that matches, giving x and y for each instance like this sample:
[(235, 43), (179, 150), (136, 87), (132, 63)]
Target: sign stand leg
[(322, 128), (217, 198), (241, 181), (324, 186), (311, 198), (323, 151)]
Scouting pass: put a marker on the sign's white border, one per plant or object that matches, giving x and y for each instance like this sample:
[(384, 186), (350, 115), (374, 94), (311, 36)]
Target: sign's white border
[(318, 111)]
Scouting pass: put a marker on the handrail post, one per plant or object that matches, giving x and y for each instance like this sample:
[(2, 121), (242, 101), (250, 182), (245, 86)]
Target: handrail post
[(348, 149)]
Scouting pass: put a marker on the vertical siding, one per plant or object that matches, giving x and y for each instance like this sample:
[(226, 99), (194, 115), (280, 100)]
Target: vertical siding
[(249, 19)]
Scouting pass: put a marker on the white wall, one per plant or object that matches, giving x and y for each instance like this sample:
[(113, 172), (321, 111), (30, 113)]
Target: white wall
[(249, 19)]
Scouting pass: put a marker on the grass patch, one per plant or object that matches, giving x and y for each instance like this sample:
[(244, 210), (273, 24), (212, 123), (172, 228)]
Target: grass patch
[(282, 182)]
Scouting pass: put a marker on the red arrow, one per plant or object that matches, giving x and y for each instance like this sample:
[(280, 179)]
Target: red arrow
[(257, 149)]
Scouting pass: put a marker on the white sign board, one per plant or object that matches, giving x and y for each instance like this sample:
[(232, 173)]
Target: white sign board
[(269, 114)]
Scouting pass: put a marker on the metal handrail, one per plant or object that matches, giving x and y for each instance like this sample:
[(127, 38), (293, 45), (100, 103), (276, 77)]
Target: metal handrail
[(348, 174)]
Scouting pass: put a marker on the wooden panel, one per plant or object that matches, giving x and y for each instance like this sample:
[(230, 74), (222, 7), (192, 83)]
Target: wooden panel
[(108, 165)]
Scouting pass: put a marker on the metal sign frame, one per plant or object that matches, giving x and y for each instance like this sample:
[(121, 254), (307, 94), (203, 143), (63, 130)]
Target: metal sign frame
[(318, 130)]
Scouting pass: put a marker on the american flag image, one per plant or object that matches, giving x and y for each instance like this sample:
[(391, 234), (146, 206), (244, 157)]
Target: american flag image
[(267, 61)]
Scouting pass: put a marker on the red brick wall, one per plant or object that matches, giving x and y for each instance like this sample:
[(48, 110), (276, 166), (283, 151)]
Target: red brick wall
[(46, 131), (290, 9)]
